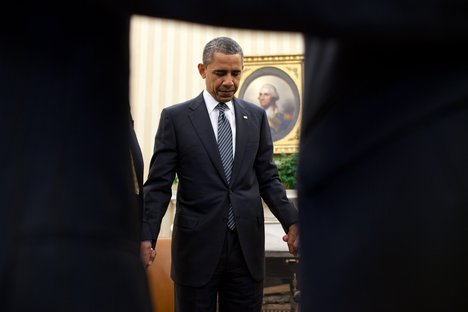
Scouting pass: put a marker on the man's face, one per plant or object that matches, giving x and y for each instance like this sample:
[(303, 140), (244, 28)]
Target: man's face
[(222, 75), (265, 98)]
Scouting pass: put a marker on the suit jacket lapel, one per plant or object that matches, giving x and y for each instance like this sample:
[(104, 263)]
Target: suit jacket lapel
[(202, 125), (242, 120)]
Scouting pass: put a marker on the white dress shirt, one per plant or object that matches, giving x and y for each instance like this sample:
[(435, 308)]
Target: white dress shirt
[(214, 113)]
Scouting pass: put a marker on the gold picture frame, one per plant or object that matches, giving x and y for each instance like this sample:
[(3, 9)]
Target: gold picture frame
[(281, 75)]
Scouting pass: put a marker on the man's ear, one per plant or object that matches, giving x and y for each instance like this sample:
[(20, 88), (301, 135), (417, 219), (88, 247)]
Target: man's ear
[(201, 70)]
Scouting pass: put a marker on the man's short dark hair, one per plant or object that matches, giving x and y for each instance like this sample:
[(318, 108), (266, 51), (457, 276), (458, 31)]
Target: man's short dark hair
[(223, 45)]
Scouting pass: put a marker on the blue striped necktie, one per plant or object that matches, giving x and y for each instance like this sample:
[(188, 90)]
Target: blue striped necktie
[(225, 151)]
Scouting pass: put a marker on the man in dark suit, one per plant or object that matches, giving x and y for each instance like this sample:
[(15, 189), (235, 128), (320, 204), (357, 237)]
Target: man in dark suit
[(147, 254), (210, 255)]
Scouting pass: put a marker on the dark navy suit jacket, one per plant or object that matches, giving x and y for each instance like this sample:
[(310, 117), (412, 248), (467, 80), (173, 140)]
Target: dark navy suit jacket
[(185, 144)]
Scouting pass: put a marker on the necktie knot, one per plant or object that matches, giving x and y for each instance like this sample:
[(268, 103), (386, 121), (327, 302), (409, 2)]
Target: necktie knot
[(221, 107)]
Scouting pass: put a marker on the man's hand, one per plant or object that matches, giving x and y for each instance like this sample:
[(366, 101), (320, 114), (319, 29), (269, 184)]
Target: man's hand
[(147, 254), (292, 238)]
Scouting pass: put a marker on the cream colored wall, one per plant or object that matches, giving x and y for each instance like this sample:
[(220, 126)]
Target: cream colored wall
[(164, 59)]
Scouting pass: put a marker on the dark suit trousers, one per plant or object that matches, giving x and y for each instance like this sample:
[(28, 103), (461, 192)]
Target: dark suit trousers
[(231, 285)]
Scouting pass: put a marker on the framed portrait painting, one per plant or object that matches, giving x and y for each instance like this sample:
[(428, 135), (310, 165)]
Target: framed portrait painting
[(275, 84)]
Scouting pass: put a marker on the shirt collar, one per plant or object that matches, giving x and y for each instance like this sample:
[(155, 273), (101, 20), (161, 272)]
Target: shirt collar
[(211, 102)]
